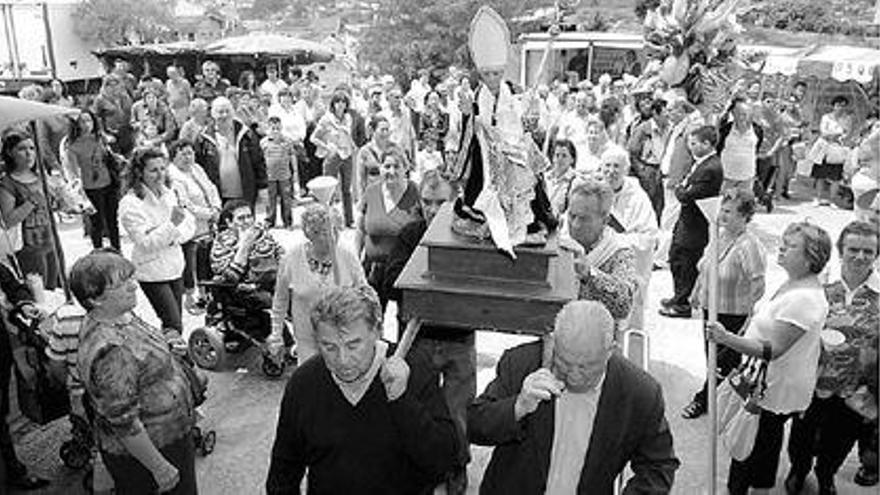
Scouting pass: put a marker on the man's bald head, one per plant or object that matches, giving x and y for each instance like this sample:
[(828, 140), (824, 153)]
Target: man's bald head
[(583, 338)]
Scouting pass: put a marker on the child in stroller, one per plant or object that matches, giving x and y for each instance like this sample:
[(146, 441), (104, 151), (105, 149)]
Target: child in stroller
[(244, 262)]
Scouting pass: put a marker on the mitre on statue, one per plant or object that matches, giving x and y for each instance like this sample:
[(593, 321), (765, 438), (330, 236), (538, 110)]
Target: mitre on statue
[(498, 159), (489, 40)]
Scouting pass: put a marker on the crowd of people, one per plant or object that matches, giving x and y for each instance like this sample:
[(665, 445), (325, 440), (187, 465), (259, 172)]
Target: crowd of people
[(180, 165)]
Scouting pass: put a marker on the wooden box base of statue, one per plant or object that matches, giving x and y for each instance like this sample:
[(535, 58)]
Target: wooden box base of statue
[(458, 282)]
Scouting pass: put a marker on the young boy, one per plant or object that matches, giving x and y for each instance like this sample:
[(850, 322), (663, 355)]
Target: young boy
[(280, 171)]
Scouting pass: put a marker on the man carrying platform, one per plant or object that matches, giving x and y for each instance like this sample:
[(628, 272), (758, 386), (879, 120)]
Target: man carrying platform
[(569, 417), (452, 350)]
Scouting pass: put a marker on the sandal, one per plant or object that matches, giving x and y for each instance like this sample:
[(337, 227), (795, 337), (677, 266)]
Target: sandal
[(693, 410)]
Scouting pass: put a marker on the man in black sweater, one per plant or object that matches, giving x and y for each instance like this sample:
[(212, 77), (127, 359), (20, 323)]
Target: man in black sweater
[(360, 419), (451, 350)]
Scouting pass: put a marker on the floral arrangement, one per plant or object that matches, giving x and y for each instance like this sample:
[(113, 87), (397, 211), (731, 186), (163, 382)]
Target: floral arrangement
[(692, 44)]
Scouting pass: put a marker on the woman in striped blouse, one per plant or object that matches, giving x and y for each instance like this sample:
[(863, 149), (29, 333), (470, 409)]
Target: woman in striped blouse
[(741, 271)]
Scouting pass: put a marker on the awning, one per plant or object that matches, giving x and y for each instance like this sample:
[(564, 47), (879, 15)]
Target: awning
[(838, 62), (271, 45)]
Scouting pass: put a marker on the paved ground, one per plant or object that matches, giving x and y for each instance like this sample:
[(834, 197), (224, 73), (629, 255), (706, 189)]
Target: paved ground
[(242, 404)]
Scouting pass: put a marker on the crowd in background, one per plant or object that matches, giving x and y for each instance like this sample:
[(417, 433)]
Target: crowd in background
[(170, 163)]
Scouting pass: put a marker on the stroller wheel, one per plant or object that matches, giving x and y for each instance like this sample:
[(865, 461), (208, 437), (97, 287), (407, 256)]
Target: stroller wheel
[(74, 454), (206, 348), (208, 443), (271, 368)]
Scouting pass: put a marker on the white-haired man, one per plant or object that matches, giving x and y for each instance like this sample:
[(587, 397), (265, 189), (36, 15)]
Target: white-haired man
[(568, 418), (230, 153), (632, 217)]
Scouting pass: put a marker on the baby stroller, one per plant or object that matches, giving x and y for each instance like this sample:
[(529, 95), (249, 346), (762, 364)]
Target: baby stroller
[(232, 324)]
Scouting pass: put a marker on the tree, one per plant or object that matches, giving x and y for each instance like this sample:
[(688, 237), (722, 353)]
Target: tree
[(827, 16), (413, 34), (119, 22)]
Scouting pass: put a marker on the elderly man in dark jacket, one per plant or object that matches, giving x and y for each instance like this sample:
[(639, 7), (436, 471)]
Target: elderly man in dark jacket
[(230, 153), (568, 417)]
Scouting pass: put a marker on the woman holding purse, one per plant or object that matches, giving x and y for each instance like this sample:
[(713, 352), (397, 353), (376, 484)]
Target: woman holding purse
[(830, 151), (88, 159), (787, 329)]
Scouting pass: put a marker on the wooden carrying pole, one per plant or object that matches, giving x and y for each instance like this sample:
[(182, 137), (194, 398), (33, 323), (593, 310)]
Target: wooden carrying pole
[(712, 354)]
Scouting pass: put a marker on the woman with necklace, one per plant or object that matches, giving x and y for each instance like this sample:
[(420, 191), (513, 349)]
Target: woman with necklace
[(741, 280), (26, 210), (158, 226), (386, 208), (784, 331), (310, 267)]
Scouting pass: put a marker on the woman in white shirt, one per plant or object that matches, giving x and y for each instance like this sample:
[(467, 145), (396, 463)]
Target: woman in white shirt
[(784, 330), (158, 226), (199, 196)]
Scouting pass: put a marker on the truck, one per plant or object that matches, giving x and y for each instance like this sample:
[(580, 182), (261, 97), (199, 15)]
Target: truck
[(39, 43)]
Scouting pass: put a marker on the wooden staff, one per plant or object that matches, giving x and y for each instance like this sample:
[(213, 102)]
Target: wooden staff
[(712, 353), (408, 337)]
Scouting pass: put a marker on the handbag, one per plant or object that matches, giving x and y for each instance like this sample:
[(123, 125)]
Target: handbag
[(739, 414), (836, 154), (42, 397), (10, 239)]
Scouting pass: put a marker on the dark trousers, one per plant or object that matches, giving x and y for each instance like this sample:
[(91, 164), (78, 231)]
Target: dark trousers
[(106, 203), (651, 180), (165, 298), (280, 189), (759, 469), (190, 258), (11, 465), (130, 477), (826, 432), (765, 176), (342, 169), (727, 358), (303, 166), (683, 261), (868, 439), (456, 362)]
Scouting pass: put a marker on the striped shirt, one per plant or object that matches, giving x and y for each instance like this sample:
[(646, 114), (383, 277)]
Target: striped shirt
[(741, 270), (280, 157)]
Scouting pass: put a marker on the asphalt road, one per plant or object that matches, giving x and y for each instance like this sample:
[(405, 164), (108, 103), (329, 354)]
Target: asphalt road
[(242, 404)]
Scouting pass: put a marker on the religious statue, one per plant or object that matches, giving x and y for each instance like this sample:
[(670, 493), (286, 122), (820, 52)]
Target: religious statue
[(499, 163)]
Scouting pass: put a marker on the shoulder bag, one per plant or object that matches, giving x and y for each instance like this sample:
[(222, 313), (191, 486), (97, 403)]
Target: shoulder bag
[(739, 413)]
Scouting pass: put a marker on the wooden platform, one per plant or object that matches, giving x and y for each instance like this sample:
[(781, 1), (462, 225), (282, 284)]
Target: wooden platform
[(458, 282)]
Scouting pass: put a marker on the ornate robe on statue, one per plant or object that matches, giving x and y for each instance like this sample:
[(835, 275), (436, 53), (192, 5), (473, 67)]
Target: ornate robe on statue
[(500, 162)]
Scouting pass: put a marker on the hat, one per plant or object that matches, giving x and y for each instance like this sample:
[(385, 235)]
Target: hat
[(489, 40)]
